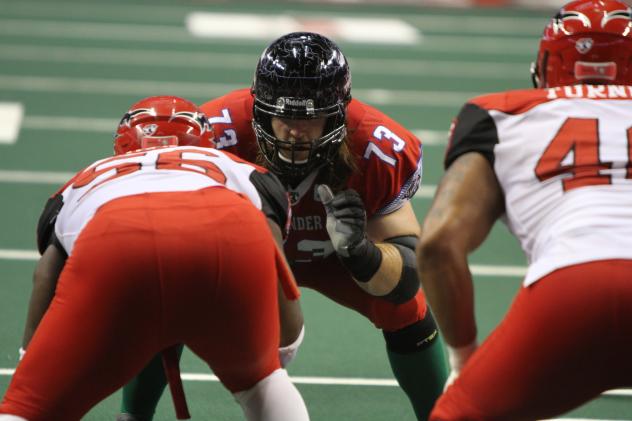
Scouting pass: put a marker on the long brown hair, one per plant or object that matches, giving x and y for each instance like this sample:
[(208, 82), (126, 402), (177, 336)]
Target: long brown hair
[(335, 174)]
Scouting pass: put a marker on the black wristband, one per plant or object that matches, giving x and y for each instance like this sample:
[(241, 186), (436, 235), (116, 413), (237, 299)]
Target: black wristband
[(364, 262)]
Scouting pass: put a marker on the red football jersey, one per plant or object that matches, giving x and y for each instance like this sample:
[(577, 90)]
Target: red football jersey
[(389, 170)]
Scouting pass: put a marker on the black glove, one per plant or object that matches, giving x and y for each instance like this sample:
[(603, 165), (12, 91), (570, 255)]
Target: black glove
[(346, 226), (346, 219)]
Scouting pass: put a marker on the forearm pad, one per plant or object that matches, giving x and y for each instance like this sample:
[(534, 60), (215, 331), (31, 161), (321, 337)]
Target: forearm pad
[(364, 260), (365, 263), (408, 284)]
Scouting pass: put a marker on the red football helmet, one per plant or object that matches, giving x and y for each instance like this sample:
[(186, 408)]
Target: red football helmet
[(588, 41), (162, 121)]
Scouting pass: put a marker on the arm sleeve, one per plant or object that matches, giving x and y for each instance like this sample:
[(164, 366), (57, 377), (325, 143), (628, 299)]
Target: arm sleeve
[(473, 130), (275, 203), (46, 224)]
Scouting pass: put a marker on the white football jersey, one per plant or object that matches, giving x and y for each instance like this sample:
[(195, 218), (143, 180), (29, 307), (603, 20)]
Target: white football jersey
[(563, 158), (172, 169)]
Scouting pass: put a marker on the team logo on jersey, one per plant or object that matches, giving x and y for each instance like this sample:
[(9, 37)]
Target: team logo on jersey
[(294, 196), (583, 45)]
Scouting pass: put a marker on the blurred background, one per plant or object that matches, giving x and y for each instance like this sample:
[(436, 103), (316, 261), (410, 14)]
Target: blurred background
[(70, 69)]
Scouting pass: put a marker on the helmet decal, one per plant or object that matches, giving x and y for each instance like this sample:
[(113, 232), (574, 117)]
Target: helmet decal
[(162, 121), (566, 16), (196, 118), (128, 116), (149, 129), (616, 14), (583, 45)]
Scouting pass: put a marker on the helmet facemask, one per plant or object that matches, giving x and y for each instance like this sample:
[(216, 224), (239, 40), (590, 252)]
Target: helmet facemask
[(294, 160), (300, 76)]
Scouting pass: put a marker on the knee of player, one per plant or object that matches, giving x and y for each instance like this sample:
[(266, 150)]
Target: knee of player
[(273, 398)]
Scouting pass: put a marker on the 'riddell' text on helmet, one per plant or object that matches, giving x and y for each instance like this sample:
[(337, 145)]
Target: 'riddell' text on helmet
[(587, 41), (162, 121), (301, 75)]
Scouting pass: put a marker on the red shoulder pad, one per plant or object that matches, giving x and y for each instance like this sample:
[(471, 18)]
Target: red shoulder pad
[(513, 102), (389, 158), (231, 119)]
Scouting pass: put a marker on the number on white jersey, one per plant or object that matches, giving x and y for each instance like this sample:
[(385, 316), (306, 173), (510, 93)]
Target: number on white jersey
[(168, 160), (581, 137)]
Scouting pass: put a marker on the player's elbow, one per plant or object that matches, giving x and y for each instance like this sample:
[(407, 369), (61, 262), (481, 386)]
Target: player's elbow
[(437, 244)]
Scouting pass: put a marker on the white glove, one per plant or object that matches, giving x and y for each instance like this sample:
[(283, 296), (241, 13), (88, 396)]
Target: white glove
[(457, 358), (21, 353)]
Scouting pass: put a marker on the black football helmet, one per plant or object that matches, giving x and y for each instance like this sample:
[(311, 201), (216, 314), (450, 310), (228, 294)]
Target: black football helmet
[(301, 75)]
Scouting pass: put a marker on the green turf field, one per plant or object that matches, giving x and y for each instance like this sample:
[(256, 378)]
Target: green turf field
[(76, 66)]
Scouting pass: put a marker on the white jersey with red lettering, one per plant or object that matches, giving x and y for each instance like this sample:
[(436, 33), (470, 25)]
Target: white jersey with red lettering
[(170, 169), (563, 158)]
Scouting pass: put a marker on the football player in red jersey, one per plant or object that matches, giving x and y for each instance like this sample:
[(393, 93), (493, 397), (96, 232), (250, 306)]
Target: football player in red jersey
[(555, 163), (143, 248), (350, 171)]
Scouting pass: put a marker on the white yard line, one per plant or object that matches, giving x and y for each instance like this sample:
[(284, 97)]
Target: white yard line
[(482, 270), (35, 177), (442, 23), (177, 34), (7, 254), (129, 87), (338, 381), (108, 125), (71, 124), (425, 192), (218, 60), (11, 115), (54, 177)]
